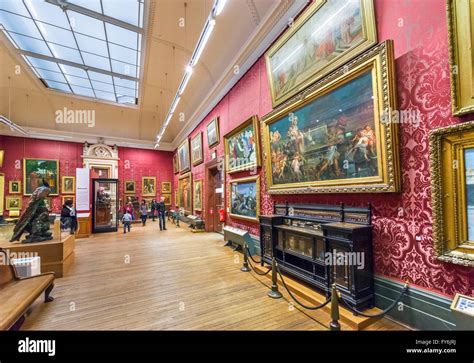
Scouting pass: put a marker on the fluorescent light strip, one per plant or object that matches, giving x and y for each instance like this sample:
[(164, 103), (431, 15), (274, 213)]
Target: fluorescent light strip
[(205, 35), (13, 126)]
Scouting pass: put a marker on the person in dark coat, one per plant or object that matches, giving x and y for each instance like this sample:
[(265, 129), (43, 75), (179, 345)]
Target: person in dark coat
[(68, 216), (154, 208), (161, 213)]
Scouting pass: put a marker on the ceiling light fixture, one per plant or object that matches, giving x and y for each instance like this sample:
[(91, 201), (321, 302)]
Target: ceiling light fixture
[(203, 39), (13, 126)]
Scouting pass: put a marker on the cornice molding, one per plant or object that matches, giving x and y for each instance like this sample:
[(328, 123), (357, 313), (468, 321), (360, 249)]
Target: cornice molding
[(261, 39)]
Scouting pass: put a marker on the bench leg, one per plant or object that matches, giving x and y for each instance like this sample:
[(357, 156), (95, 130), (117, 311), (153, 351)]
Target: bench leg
[(48, 290), (18, 324)]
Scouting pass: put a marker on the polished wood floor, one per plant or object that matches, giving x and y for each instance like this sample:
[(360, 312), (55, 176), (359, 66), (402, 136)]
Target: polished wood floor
[(170, 280)]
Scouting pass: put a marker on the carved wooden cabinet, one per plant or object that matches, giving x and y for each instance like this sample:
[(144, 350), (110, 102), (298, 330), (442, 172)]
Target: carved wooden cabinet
[(321, 245)]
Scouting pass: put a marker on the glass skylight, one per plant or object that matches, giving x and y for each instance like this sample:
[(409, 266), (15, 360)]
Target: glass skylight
[(89, 48)]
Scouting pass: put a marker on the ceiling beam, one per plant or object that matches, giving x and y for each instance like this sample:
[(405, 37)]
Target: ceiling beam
[(65, 5)]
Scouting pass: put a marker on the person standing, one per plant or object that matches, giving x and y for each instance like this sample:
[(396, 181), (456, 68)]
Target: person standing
[(154, 206), (127, 221), (68, 216), (143, 212), (161, 213)]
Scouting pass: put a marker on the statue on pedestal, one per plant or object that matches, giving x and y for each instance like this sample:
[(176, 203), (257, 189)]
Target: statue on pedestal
[(35, 219)]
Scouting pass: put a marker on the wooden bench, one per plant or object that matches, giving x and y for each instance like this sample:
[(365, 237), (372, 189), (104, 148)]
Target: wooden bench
[(18, 294)]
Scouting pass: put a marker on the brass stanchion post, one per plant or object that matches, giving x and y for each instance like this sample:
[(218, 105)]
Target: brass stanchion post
[(245, 266), (274, 293), (334, 325)]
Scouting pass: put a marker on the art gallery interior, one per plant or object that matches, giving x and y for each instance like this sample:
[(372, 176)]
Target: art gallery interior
[(309, 164)]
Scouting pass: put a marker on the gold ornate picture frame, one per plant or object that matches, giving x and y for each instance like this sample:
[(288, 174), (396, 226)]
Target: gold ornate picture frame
[(324, 37), (212, 131), (184, 161), (461, 34), (129, 187), (452, 188), (244, 198), (242, 147), (185, 192), (68, 184), (14, 187), (197, 195), (148, 186), (13, 203), (340, 135), (196, 149), (165, 187)]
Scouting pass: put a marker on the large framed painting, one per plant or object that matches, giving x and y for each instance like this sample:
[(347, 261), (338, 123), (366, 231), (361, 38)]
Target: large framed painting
[(175, 164), (183, 157), (461, 32), (148, 186), (338, 136), (213, 132), (452, 189), (129, 187), (196, 149), (68, 184), (14, 187), (244, 200), (325, 36), (35, 170), (185, 192), (242, 147), (197, 195)]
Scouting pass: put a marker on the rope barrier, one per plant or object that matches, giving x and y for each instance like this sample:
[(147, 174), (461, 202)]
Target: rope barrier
[(296, 300), (390, 307), (250, 255), (257, 272)]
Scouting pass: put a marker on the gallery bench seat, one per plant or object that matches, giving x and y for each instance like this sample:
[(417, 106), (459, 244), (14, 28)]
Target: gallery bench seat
[(18, 294)]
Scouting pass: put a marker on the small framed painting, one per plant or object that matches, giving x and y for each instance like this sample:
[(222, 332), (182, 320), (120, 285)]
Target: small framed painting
[(175, 164), (129, 187), (14, 187), (166, 187), (245, 198), (148, 186), (213, 132), (167, 199), (197, 195), (13, 203), (65, 198), (196, 149), (183, 157), (68, 184)]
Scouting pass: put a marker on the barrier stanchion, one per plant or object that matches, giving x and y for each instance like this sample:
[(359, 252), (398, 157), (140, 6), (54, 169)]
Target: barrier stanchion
[(334, 324), (245, 266), (274, 293)]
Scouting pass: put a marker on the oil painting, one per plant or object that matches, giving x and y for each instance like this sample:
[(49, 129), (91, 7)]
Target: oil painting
[(183, 157), (185, 192), (35, 170), (196, 149), (245, 198)]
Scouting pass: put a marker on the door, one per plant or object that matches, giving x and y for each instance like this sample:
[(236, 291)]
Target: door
[(215, 201)]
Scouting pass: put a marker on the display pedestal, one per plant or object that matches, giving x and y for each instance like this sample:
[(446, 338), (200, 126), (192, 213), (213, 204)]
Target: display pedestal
[(313, 297), (84, 223), (56, 256)]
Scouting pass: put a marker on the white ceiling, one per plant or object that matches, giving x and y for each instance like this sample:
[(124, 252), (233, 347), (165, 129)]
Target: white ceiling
[(242, 33)]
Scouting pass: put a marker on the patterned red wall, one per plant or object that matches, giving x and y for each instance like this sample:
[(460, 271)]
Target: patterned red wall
[(139, 162), (403, 221)]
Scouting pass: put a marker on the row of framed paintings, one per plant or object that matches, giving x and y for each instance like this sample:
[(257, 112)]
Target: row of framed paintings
[(183, 159), (15, 202), (148, 186)]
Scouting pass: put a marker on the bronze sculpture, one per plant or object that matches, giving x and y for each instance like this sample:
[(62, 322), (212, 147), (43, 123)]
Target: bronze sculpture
[(35, 219)]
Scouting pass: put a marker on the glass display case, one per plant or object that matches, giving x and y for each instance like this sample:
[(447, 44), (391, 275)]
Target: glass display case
[(105, 205)]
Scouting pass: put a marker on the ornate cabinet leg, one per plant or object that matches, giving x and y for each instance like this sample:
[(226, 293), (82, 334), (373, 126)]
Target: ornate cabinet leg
[(48, 298)]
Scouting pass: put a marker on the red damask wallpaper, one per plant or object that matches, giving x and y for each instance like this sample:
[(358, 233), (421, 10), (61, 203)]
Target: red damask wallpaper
[(402, 222)]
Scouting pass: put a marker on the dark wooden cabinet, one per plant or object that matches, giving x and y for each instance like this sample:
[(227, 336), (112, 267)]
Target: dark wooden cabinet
[(323, 245)]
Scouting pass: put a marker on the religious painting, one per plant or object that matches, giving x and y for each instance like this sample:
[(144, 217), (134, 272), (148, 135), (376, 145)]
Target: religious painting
[(167, 199), (245, 198), (197, 195), (241, 145), (452, 188), (461, 32), (337, 136), (185, 192), (65, 198), (37, 170), (166, 187), (148, 186), (129, 187), (68, 184), (213, 132), (14, 187), (196, 149), (13, 203), (324, 37), (183, 157), (175, 164)]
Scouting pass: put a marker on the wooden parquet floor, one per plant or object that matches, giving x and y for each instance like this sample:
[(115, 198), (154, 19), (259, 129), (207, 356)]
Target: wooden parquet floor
[(170, 280)]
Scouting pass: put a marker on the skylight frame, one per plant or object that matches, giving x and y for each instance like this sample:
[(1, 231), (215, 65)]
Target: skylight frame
[(75, 57)]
